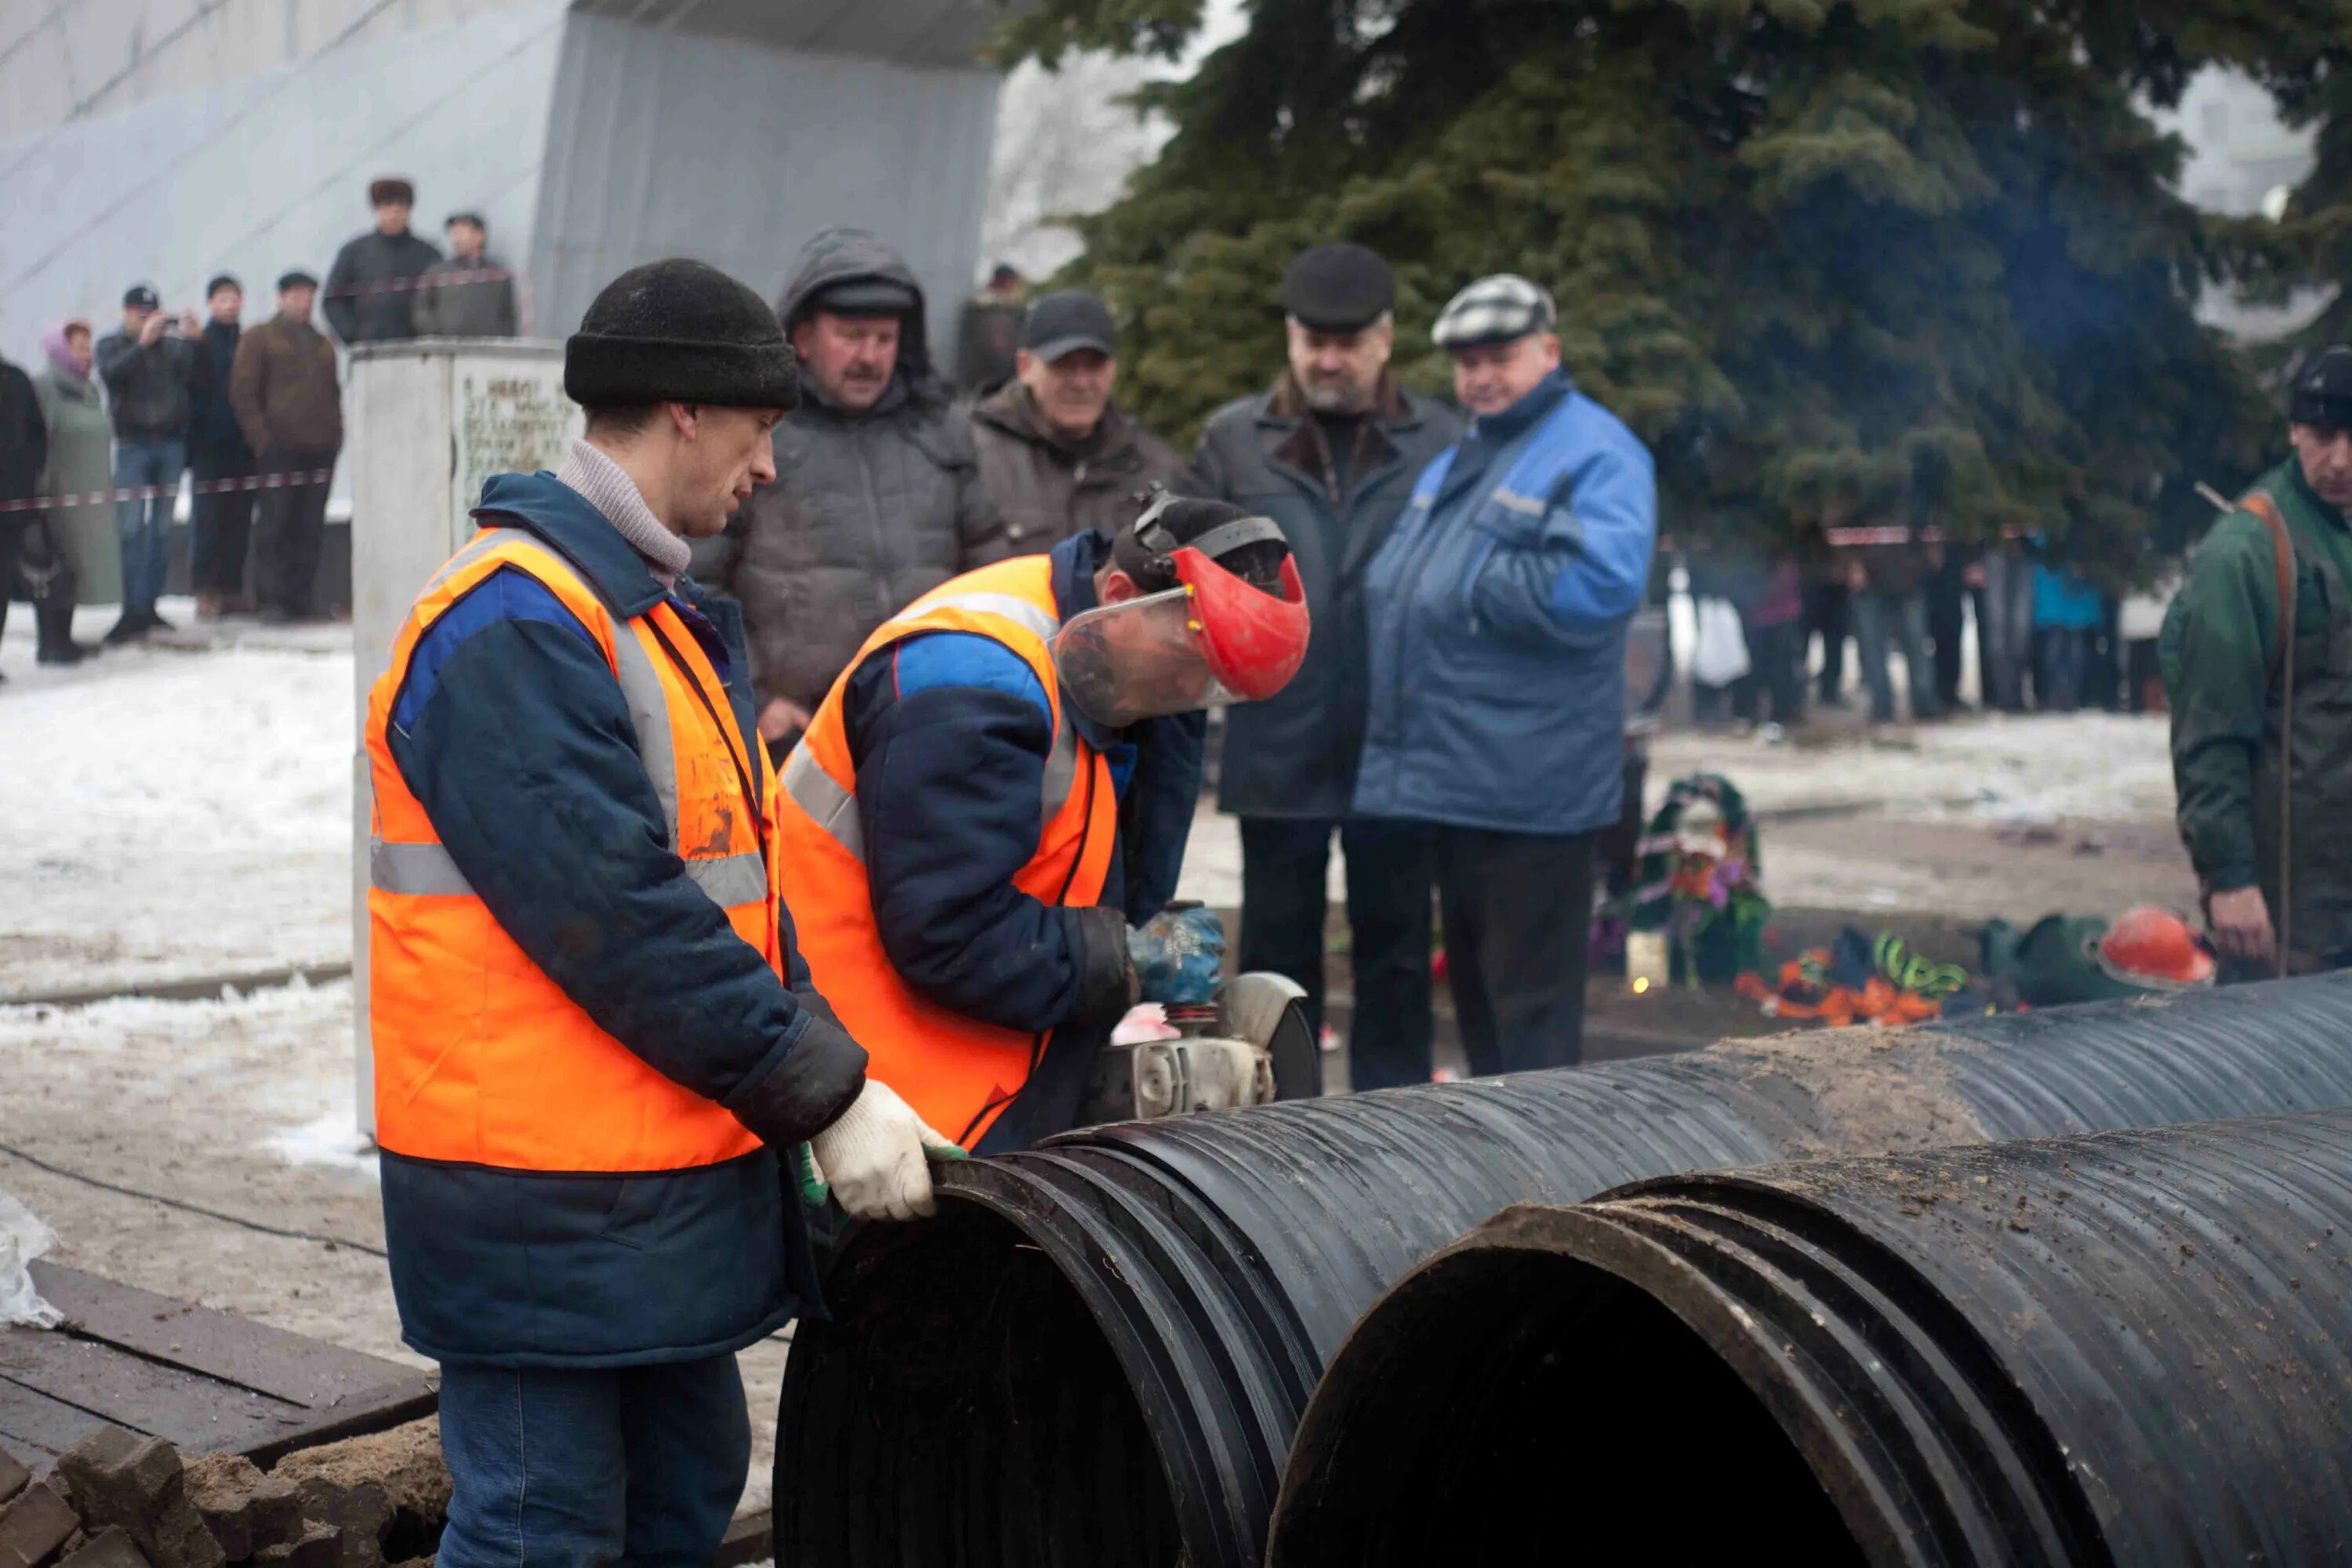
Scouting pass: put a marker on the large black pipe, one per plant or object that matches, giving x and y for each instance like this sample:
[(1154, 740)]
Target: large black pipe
[(2132, 1348), (1099, 1349)]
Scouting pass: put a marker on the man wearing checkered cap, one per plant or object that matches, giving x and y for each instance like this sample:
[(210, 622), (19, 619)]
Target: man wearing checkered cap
[(1497, 613)]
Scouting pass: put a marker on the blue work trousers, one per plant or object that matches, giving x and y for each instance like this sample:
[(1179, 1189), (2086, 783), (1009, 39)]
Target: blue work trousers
[(580, 1468), (143, 525)]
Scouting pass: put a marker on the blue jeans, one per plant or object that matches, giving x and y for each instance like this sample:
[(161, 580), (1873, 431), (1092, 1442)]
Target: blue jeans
[(141, 527), (563, 1468), (2066, 660), (1877, 618)]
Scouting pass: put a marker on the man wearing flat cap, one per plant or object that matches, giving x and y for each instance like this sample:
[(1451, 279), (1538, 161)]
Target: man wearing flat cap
[(877, 496), (289, 404), (371, 288), (600, 1069), (1497, 610), (2260, 680), (1329, 453), (1057, 455), (470, 295)]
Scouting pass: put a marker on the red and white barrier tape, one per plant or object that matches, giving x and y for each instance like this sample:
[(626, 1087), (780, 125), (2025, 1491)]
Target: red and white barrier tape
[(151, 492), (423, 280)]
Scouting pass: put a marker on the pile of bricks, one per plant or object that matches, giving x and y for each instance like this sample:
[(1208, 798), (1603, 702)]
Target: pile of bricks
[(118, 1500)]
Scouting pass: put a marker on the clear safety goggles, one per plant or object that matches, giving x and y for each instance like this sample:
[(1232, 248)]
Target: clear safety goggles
[(1212, 639)]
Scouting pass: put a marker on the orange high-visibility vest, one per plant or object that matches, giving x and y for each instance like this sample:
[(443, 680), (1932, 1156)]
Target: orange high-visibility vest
[(957, 1072), (479, 1057)]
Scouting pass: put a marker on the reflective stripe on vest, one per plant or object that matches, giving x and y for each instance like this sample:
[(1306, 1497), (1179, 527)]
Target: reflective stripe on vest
[(835, 809), (957, 1072), (480, 1057), (426, 871)]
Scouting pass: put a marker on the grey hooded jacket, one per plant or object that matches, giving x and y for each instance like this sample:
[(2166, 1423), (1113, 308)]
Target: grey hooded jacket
[(869, 510)]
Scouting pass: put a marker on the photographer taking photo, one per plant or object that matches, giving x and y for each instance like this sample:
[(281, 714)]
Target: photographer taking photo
[(149, 368)]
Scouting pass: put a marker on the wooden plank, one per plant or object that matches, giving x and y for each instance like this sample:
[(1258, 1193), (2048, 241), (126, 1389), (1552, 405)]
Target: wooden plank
[(290, 1366), (197, 1415), (37, 1428), (751, 1537)]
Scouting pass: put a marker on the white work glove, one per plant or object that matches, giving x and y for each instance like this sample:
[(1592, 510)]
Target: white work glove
[(873, 1156)]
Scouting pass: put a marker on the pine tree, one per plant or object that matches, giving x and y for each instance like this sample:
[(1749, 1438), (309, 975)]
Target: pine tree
[(1915, 259)]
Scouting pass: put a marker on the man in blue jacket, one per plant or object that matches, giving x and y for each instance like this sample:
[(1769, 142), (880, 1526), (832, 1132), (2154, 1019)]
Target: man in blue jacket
[(1496, 615), (597, 1048)]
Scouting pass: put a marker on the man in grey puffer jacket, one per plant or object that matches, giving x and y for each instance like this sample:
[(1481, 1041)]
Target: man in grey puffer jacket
[(876, 498)]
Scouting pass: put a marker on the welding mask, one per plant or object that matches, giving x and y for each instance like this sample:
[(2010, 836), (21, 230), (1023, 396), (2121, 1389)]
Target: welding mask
[(1211, 637)]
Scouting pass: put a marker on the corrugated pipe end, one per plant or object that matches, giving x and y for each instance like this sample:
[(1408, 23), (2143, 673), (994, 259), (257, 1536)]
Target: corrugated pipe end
[(980, 1394), (1719, 1378)]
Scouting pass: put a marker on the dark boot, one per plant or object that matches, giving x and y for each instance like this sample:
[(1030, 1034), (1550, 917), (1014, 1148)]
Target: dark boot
[(49, 578)]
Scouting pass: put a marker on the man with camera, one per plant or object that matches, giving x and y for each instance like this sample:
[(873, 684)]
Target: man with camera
[(149, 368)]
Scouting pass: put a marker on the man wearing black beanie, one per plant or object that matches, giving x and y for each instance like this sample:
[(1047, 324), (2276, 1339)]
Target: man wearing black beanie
[(603, 1078)]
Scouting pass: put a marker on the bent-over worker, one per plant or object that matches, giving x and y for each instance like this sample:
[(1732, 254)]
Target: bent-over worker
[(594, 1037), (982, 827)]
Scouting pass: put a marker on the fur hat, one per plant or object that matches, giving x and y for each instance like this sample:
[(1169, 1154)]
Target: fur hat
[(680, 331), (391, 188)]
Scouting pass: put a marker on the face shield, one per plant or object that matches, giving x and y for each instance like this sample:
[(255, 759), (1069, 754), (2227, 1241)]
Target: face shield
[(1211, 638)]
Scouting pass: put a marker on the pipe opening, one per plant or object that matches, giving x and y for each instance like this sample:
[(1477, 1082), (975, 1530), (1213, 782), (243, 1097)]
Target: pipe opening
[(963, 1406), (1518, 1396)]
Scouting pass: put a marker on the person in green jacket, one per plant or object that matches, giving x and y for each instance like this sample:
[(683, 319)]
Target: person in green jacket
[(82, 462), (2234, 740)]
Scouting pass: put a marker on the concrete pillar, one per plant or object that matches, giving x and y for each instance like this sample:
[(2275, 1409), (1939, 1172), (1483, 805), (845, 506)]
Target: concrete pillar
[(431, 420)]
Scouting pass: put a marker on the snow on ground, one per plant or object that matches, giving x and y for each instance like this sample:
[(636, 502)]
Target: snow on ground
[(2043, 768), (1908, 824), (168, 813)]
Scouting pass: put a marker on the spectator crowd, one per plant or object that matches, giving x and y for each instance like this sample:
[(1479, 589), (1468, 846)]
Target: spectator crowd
[(1472, 566), (1455, 724), (94, 444), (2048, 638)]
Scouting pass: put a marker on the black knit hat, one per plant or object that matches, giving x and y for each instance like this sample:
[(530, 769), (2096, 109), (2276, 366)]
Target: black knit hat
[(222, 280), (1342, 288), (1249, 546), (680, 331), (2322, 391)]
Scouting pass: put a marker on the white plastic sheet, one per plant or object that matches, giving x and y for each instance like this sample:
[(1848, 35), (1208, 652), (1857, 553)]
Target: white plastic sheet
[(24, 1235), (1721, 657)]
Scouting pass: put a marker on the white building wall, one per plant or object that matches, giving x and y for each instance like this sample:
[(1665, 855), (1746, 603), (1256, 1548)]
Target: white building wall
[(62, 59), (268, 170), (664, 143)]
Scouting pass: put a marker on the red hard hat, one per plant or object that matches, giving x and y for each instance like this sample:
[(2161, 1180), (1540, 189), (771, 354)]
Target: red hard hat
[(2149, 946)]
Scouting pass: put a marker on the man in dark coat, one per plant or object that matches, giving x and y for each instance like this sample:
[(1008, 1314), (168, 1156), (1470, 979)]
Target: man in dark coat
[(1330, 454), (472, 294), (291, 410), (876, 497), (988, 332), (24, 451), (149, 370), (219, 456), (370, 295), (1056, 456)]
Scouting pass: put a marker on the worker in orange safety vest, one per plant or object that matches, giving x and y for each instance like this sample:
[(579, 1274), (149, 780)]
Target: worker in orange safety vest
[(982, 826), (598, 1054)]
